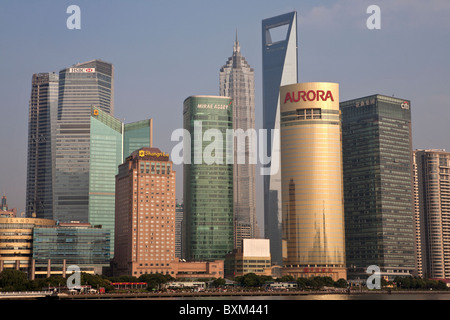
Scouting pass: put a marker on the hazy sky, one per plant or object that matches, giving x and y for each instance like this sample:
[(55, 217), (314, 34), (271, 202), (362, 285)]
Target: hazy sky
[(165, 51)]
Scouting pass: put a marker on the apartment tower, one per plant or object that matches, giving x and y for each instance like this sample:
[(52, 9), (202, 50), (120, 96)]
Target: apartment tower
[(433, 198)]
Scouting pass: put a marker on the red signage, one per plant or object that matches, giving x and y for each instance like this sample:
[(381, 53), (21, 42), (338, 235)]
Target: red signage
[(311, 95)]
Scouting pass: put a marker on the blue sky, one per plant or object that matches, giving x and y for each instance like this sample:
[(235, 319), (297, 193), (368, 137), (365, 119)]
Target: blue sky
[(165, 51)]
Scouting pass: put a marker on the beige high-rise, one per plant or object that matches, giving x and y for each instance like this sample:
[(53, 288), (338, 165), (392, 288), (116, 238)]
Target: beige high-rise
[(145, 215), (312, 181), (432, 200)]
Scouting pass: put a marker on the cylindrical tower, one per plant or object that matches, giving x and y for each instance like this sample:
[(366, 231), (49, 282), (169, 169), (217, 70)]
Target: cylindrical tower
[(312, 180)]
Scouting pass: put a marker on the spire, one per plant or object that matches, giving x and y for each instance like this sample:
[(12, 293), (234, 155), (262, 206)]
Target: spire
[(236, 47)]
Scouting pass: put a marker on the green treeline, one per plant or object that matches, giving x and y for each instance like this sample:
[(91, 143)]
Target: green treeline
[(15, 280)]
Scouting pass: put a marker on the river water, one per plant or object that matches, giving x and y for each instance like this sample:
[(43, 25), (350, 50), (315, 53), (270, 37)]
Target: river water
[(318, 297)]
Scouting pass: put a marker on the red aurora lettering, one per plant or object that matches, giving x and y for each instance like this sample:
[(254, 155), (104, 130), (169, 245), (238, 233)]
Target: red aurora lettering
[(311, 95)]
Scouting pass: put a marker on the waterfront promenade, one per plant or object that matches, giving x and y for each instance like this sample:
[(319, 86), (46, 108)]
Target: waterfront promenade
[(294, 294), (236, 294)]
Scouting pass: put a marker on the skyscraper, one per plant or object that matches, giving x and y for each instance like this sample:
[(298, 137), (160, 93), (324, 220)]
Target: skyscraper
[(43, 109), (433, 198), (76, 145), (145, 214), (80, 87), (280, 67), (180, 243), (378, 184), (208, 178), (110, 142), (237, 81), (312, 187)]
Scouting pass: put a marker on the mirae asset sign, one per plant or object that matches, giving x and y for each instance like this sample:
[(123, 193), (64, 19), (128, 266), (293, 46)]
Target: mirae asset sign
[(81, 70)]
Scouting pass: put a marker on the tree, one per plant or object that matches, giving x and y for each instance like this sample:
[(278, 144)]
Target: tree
[(286, 278), (302, 283), (96, 281), (250, 280), (341, 283), (13, 280), (155, 280), (218, 282)]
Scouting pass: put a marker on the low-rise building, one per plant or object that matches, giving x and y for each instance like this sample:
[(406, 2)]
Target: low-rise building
[(254, 257)]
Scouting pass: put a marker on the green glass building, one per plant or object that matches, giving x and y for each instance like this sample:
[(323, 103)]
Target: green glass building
[(71, 244), (378, 184), (208, 178), (111, 141)]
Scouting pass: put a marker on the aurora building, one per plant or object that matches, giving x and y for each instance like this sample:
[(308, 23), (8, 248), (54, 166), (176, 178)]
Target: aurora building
[(378, 185), (237, 81), (312, 187), (208, 178), (279, 68)]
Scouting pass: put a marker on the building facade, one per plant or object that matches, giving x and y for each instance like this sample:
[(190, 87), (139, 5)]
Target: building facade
[(208, 178), (378, 185), (81, 87), (237, 81), (145, 214), (42, 116), (180, 242), (252, 256), (312, 180), (279, 68), (57, 248), (16, 241), (5, 212), (432, 173), (44, 247), (111, 141)]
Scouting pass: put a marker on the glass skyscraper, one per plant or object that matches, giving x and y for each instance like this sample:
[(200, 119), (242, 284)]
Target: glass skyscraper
[(76, 145), (208, 178), (378, 185), (43, 109), (80, 87), (280, 67), (237, 81), (110, 143)]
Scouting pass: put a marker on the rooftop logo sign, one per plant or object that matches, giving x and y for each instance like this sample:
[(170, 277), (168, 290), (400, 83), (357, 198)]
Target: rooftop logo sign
[(81, 70), (144, 153)]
